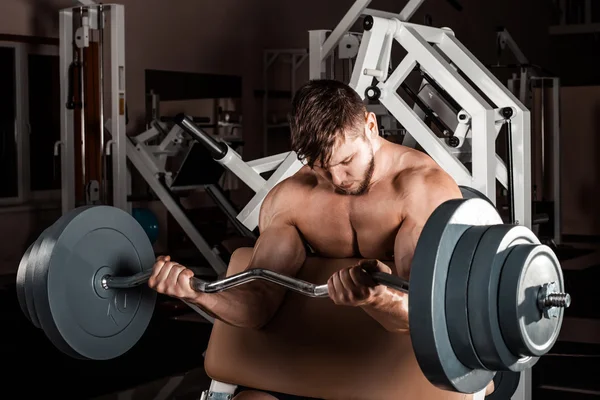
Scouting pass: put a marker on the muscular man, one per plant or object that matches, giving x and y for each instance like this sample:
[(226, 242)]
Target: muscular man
[(359, 196)]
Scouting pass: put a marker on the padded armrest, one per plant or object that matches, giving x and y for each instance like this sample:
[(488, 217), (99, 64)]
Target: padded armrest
[(315, 348)]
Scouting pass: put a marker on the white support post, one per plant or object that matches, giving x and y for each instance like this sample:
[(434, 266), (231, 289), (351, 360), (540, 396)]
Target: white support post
[(316, 63), (289, 166), (67, 150), (118, 104), (486, 118), (370, 54), (520, 122)]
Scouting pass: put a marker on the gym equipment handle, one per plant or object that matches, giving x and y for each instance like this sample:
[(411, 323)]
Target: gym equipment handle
[(548, 300), (308, 289), (217, 149), (297, 285)]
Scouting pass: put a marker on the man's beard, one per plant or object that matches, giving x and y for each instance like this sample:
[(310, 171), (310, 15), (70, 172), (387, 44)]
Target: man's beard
[(364, 184)]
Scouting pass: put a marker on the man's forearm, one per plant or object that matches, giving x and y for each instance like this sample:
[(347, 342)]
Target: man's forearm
[(390, 310), (243, 306)]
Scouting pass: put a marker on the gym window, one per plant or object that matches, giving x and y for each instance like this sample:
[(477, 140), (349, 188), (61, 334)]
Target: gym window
[(29, 122)]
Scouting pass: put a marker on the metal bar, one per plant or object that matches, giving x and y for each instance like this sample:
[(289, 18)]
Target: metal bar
[(104, 169), (297, 285), (67, 154), (21, 123), (218, 150), (343, 26), (118, 104), (556, 158), (409, 9)]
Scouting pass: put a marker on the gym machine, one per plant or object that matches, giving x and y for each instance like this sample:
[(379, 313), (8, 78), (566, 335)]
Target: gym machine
[(481, 112), (88, 27), (539, 90), (448, 109), (485, 108)]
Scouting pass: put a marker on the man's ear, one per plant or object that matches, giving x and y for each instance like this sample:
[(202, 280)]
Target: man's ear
[(371, 129)]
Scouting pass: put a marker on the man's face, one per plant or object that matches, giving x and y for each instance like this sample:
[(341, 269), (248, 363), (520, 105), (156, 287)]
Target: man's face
[(351, 165)]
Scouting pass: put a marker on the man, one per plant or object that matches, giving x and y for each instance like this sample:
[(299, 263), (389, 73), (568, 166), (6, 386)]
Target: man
[(359, 195)]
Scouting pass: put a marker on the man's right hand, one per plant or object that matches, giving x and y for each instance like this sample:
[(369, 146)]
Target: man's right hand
[(172, 279)]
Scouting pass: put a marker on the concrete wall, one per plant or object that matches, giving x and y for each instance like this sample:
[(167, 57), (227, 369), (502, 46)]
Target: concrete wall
[(228, 36)]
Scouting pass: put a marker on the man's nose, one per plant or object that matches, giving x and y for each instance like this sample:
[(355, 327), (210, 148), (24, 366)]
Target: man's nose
[(338, 177)]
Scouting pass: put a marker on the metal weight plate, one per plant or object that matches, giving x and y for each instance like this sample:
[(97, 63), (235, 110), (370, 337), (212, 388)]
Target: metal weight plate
[(505, 385), (20, 283), (29, 267), (456, 297), (484, 282), (524, 327), (427, 310), (39, 280), (471, 193), (77, 314)]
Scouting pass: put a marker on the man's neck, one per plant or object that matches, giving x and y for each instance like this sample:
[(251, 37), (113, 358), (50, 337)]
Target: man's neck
[(383, 162)]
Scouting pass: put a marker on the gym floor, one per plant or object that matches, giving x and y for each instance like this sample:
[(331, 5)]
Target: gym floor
[(167, 363)]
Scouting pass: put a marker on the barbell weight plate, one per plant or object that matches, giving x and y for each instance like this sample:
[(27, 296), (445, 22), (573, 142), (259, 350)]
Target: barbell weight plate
[(471, 193), (20, 282), (30, 278), (524, 327), (482, 304), (505, 385), (38, 265), (78, 315), (427, 311), (457, 285)]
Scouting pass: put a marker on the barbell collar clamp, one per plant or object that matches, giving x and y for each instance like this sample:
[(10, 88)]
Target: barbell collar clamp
[(549, 300)]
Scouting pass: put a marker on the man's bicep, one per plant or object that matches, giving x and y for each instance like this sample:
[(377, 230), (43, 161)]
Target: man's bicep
[(404, 246), (279, 248), (427, 193)]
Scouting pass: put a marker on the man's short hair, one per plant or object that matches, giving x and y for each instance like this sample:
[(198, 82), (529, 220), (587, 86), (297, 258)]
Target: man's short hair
[(323, 110)]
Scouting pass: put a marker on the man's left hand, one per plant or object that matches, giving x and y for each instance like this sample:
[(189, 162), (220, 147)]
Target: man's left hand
[(354, 287)]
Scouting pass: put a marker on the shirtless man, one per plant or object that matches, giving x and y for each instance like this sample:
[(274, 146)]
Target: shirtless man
[(359, 195)]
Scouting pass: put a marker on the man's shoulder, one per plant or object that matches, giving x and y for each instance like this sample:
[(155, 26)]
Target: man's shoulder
[(286, 195), (420, 174), (283, 201), (299, 183)]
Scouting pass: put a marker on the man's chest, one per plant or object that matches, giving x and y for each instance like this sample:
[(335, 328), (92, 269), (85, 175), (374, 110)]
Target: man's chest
[(351, 226)]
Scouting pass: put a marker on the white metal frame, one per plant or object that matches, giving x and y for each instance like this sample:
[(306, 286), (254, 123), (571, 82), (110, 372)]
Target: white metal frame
[(22, 125), (117, 101), (283, 166), (425, 46), (485, 120), (322, 46), (150, 161), (522, 80), (555, 133)]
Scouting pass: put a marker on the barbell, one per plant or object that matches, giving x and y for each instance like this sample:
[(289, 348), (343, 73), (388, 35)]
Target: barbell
[(483, 296)]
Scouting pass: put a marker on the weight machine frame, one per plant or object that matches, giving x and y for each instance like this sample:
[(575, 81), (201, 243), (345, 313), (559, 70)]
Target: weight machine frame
[(117, 96), (425, 46), (149, 160), (519, 85)]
